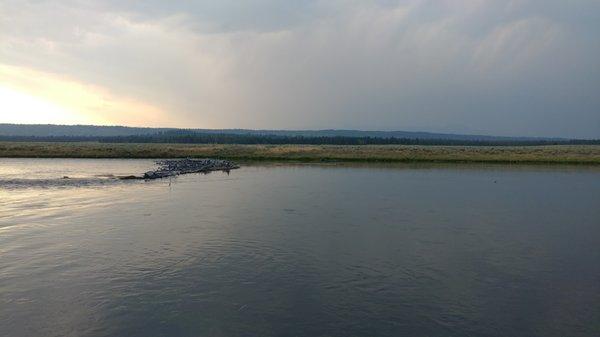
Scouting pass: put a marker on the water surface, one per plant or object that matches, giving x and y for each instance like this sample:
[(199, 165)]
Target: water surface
[(305, 250)]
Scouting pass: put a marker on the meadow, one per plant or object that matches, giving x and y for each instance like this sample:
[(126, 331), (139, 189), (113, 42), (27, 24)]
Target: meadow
[(560, 154)]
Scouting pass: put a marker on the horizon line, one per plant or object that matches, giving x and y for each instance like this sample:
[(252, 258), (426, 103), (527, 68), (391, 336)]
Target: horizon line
[(298, 130)]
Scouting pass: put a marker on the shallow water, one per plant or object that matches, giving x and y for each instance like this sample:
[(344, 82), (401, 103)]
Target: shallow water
[(305, 250)]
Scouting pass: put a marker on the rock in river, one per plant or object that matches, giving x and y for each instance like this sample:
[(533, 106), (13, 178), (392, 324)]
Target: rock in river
[(174, 167)]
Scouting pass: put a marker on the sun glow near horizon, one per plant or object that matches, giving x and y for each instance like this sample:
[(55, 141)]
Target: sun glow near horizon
[(28, 96), (22, 108)]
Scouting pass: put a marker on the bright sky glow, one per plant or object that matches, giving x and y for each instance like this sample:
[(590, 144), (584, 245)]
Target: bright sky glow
[(28, 96), (19, 107)]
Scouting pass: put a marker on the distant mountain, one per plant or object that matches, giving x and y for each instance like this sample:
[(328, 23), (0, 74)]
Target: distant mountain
[(49, 130)]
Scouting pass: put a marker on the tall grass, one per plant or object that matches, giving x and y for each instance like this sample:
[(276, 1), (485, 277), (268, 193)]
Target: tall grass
[(563, 154)]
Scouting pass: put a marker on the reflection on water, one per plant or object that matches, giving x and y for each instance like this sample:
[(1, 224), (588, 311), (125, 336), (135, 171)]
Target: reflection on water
[(299, 251), (52, 173)]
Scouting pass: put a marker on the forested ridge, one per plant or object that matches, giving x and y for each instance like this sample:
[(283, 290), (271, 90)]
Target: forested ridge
[(195, 137)]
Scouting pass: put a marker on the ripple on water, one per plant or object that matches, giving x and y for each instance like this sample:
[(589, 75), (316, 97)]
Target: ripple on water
[(16, 184)]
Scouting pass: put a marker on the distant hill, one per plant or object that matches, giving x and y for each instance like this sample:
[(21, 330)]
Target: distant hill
[(51, 130), (92, 131)]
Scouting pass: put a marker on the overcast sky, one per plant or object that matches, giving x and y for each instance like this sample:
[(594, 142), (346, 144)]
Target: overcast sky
[(502, 67)]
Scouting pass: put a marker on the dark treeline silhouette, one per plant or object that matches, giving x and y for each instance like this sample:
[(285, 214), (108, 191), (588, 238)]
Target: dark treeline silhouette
[(190, 137)]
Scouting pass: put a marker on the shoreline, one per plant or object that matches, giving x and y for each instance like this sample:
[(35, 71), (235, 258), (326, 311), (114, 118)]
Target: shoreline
[(519, 155)]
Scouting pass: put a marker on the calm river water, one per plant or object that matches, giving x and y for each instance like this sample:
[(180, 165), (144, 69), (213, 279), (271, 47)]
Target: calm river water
[(305, 250)]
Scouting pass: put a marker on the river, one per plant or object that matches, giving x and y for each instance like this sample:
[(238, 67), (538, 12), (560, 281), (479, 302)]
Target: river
[(299, 250)]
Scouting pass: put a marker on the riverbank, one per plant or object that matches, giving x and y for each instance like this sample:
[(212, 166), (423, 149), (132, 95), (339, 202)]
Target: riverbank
[(562, 154)]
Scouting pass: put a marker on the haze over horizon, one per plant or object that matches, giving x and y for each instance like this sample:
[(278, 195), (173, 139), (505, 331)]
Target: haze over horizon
[(504, 68)]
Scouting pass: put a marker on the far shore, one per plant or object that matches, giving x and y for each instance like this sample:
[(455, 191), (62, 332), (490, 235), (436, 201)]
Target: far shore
[(559, 154)]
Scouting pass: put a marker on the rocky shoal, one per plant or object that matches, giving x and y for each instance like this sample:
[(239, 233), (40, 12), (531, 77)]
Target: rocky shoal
[(174, 167)]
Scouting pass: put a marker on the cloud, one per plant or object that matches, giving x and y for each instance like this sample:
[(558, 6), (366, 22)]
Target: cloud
[(524, 67)]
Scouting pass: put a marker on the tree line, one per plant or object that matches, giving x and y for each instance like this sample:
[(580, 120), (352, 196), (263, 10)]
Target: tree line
[(184, 137)]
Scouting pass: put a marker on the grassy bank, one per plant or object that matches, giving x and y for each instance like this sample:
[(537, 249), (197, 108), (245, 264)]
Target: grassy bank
[(579, 154)]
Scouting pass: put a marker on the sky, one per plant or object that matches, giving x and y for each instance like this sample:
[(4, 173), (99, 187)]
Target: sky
[(499, 67)]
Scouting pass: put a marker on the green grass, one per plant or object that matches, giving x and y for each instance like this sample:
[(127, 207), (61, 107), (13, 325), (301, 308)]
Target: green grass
[(563, 154)]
